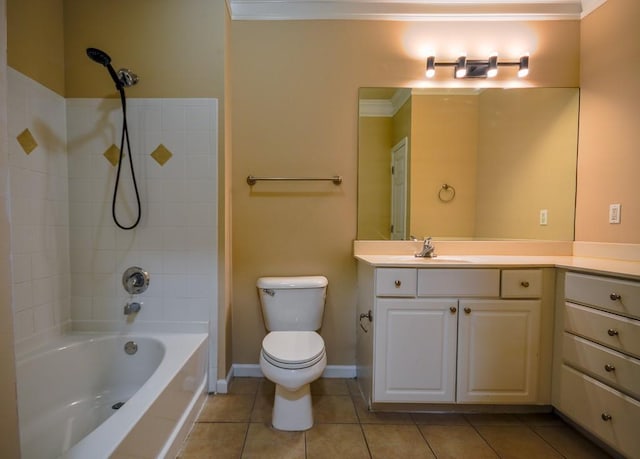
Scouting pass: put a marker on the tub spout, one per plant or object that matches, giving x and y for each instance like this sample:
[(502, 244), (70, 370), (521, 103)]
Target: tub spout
[(132, 308)]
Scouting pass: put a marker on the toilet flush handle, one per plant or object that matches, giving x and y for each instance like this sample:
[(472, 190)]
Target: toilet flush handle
[(369, 316), (269, 291)]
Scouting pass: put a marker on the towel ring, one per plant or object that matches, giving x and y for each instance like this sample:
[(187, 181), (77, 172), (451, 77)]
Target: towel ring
[(446, 193)]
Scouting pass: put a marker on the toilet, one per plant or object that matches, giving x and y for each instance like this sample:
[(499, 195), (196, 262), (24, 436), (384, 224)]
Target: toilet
[(292, 354)]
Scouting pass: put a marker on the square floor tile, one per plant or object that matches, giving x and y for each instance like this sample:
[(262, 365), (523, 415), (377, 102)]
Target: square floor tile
[(517, 442), (440, 419), (265, 442), (569, 442), (336, 441), (379, 417), (492, 419), (229, 408), (329, 386), (540, 419), (262, 408), (215, 440), (333, 408), (244, 386), (401, 441), (456, 441)]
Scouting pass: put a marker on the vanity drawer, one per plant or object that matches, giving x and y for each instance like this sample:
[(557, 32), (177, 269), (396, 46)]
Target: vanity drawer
[(521, 283), (609, 366), (396, 282), (615, 295), (590, 403), (459, 282), (608, 329)]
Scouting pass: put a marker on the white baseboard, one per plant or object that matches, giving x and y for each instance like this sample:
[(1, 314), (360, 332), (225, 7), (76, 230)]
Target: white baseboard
[(242, 370), (222, 385)]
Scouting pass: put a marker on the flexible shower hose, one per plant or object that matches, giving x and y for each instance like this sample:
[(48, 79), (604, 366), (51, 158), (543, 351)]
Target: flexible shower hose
[(125, 138)]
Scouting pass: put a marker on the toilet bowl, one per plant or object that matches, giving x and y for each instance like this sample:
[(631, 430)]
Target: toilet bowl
[(292, 360), (292, 354)]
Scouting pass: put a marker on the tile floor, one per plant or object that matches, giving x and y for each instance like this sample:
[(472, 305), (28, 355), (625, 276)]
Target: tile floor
[(238, 425)]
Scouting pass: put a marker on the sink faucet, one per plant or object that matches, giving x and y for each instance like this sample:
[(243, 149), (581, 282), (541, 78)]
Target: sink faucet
[(428, 250)]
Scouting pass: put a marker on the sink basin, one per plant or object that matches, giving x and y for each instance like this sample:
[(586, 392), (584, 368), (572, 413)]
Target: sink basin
[(440, 259), (444, 259)]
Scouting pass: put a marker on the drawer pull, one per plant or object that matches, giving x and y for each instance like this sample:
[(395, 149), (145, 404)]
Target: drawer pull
[(606, 417), (615, 297), (612, 332), (397, 283), (525, 284), (453, 309), (467, 310), (609, 368)]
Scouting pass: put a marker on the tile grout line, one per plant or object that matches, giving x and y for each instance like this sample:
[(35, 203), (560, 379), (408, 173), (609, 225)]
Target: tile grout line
[(424, 438), (482, 436), (253, 405), (535, 432), (364, 436)]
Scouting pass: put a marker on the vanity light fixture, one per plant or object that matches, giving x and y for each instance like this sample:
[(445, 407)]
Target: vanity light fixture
[(431, 67), (477, 68), (461, 67), (523, 69), (493, 66)]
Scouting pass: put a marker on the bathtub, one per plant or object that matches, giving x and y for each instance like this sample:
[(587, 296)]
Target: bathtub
[(70, 395)]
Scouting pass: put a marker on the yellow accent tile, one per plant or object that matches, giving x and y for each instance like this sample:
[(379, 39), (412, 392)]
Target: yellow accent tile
[(112, 154), (161, 154), (26, 141)]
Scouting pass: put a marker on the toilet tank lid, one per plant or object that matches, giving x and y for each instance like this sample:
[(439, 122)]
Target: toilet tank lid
[(292, 282)]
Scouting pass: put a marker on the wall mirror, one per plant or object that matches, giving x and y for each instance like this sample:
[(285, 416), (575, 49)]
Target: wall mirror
[(467, 163)]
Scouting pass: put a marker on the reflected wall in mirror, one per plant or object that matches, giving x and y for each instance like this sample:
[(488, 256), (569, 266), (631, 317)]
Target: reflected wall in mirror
[(467, 164)]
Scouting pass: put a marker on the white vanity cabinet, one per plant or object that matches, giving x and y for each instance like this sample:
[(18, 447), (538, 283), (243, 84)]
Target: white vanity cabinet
[(450, 335), (597, 377)]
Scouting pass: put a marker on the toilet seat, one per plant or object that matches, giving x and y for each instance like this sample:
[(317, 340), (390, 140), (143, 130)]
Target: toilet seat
[(293, 349)]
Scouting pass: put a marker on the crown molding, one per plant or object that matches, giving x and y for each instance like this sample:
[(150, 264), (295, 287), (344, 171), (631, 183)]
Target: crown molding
[(413, 10), (384, 107)]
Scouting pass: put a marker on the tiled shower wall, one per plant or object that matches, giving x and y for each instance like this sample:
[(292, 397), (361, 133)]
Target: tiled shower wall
[(176, 239), (67, 254), (39, 211)]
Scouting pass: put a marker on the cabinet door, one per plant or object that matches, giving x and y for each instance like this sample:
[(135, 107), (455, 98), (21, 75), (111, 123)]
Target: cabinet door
[(498, 346), (415, 350)]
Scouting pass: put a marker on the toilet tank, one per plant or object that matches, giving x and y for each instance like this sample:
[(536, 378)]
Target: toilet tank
[(292, 303)]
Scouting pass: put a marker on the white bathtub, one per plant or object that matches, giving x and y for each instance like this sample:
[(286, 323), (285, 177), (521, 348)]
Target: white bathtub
[(66, 394)]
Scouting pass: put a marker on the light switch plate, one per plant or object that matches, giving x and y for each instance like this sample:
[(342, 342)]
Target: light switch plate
[(544, 216), (614, 213)]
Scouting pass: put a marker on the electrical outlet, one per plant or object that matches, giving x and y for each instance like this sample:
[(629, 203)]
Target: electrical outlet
[(614, 213), (544, 214)]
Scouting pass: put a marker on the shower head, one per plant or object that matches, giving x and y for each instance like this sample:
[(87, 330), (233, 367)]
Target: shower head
[(99, 56)]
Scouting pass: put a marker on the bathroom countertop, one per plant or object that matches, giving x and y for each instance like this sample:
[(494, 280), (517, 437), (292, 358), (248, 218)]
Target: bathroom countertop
[(605, 266)]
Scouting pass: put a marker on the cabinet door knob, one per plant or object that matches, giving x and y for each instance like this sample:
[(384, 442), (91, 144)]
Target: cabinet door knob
[(453, 309), (615, 296), (525, 284), (606, 417), (397, 283), (612, 332), (609, 368), (467, 310)]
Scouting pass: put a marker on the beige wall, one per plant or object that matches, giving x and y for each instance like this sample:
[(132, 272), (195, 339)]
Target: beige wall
[(527, 162), (444, 149), (36, 41), (9, 440), (608, 158), (175, 46), (295, 93), (374, 181)]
